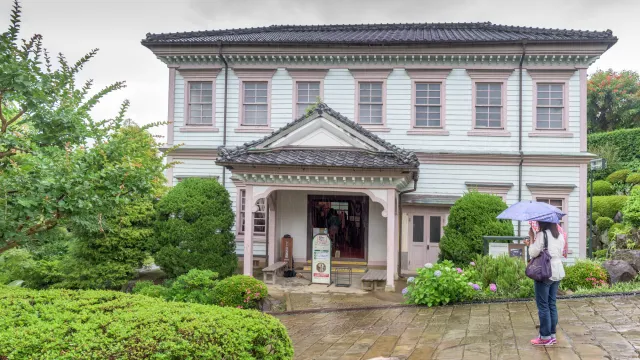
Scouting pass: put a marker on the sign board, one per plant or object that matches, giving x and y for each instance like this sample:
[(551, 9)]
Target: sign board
[(516, 250), (286, 250), (321, 259)]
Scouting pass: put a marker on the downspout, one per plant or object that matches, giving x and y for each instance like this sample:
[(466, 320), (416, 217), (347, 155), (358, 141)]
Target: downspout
[(226, 88), (524, 51), (415, 187)]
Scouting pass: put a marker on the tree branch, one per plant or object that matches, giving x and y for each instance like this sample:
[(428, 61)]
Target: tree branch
[(10, 245)]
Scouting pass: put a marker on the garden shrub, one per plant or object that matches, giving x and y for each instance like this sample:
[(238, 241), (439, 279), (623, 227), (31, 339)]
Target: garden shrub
[(508, 273), (193, 229), (196, 286), (604, 223), (240, 291), (633, 179), (607, 205), (600, 254), (596, 215), (19, 264), (439, 284), (67, 324), (148, 288), (472, 217), (631, 210), (618, 177), (625, 140), (584, 274), (602, 188), (618, 229)]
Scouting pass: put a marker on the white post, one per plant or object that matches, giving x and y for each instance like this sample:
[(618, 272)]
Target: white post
[(271, 252), (248, 231), (391, 239)]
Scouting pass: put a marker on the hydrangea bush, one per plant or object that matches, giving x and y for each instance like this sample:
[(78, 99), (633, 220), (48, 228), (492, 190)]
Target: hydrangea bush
[(440, 284)]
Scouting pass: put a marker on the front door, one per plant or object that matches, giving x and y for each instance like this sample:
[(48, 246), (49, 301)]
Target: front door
[(425, 232)]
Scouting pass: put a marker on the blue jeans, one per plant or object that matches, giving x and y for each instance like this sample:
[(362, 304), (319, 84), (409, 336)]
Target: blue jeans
[(546, 292)]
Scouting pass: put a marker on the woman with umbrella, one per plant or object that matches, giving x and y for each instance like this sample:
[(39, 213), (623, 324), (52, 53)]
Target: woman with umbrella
[(549, 239)]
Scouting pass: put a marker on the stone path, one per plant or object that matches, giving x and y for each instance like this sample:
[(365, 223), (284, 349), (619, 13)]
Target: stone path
[(593, 328)]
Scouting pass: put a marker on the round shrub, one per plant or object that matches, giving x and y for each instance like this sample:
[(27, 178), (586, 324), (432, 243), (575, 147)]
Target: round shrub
[(631, 210), (596, 215), (602, 188), (604, 223), (439, 284), (66, 324), (193, 229), (508, 273), (472, 217), (241, 291), (619, 176), (585, 274), (633, 179), (607, 205)]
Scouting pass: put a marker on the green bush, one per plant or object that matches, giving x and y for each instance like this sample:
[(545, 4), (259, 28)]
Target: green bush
[(600, 254), (508, 273), (607, 206), (67, 324), (618, 229), (472, 217), (596, 215), (618, 177), (631, 210), (147, 288), (626, 141), (584, 274), (19, 264), (193, 230), (240, 291), (633, 179), (196, 286), (604, 223), (602, 188), (439, 284)]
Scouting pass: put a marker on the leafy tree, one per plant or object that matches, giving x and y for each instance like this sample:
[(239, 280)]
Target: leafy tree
[(193, 229), (613, 100), (55, 160)]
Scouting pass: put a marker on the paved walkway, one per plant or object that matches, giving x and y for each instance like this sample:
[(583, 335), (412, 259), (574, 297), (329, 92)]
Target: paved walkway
[(593, 328)]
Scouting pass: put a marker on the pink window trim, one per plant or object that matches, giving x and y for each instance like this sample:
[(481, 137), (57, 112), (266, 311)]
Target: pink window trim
[(203, 75), (562, 192), (371, 75), (240, 234), (429, 76), (489, 77), (253, 75), (497, 189), (550, 77), (306, 75)]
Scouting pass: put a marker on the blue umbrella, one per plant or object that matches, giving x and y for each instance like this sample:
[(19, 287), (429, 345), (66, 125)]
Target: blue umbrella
[(532, 211)]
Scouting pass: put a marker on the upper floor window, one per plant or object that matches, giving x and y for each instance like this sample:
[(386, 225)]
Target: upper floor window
[(428, 105), (550, 106), (557, 202), (488, 106), (370, 103), (259, 217), (307, 94), (255, 104), (200, 103)]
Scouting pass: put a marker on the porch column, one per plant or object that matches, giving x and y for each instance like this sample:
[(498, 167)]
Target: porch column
[(248, 231), (391, 239), (271, 251)]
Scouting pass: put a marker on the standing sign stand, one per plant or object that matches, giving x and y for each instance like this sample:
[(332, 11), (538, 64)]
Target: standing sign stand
[(321, 260)]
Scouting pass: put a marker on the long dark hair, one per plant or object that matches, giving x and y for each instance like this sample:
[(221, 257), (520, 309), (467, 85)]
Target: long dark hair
[(544, 226)]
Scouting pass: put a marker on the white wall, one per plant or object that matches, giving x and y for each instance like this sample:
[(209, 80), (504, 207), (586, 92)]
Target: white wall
[(377, 247), (291, 217)]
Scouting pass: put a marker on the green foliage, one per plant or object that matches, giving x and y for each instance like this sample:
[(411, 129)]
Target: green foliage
[(244, 292), (596, 215), (604, 223), (626, 141), (193, 229), (607, 205), (609, 152), (631, 210), (602, 188), (601, 254), (617, 177), (66, 324), (147, 288), (584, 274), (508, 273), (19, 264), (472, 217), (618, 229), (439, 284), (620, 287), (633, 179), (613, 100), (56, 161)]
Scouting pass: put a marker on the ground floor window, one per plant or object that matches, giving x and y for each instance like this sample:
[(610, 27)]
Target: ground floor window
[(259, 217), (344, 219)]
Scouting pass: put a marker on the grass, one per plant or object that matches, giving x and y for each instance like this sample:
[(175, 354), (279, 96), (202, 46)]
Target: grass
[(616, 288)]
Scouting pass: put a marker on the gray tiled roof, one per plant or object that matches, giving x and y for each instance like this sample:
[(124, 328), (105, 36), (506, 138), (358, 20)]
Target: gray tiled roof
[(381, 34), (392, 158)]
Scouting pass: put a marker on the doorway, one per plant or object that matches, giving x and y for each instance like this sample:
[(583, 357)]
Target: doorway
[(425, 232)]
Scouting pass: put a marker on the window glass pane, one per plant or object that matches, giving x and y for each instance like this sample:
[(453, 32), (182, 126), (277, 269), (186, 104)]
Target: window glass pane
[(434, 229), (418, 229)]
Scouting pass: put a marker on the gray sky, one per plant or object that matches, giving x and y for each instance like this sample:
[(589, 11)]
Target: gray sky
[(116, 27)]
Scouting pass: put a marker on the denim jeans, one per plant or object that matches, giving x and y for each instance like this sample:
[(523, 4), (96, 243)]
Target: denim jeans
[(546, 292)]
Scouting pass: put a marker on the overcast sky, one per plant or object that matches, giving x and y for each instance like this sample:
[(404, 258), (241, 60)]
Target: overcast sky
[(116, 27)]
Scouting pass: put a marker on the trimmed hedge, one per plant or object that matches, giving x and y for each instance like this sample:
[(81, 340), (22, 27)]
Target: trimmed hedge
[(603, 223), (633, 179), (66, 324), (631, 210), (618, 177), (241, 291), (607, 206), (602, 188), (626, 140)]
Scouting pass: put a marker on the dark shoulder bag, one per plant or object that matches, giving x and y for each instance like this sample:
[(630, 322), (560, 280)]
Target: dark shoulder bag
[(539, 268)]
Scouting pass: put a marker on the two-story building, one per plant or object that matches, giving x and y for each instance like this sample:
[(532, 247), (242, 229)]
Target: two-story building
[(371, 132)]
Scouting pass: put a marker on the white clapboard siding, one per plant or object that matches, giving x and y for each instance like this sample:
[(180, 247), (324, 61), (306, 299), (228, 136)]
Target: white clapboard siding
[(340, 91), (259, 248)]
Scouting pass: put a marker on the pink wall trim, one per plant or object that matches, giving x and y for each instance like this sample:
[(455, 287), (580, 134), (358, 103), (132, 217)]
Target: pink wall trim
[(199, 128), (494, 77), (551, 134), (253, 75), (372, 75), (425, 76), (550, 77), (172, 105), (248, 238), (208, 75), (306, 75), (391, 239), (582, 221), (501, 159), (583, 109), (491, 188), (488, 132)]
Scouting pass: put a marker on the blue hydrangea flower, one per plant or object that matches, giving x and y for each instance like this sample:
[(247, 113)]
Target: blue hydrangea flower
[(405, 291), (411, 279), (428, 265), (437, 273), (476, 287)]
